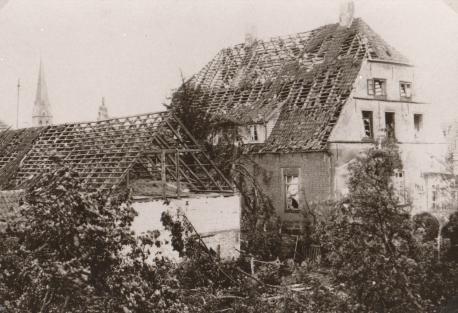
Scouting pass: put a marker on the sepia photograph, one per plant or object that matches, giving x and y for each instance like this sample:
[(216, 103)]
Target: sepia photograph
[(237, 156)]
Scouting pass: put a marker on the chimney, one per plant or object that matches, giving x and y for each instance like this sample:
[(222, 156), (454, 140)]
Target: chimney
[(250, 36), (347, 11)]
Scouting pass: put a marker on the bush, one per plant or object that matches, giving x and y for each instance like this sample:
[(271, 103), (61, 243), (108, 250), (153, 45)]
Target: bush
[(71, 251)]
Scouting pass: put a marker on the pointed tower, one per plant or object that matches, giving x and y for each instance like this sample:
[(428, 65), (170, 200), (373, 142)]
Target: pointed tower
[(103, 111), (42, 108)]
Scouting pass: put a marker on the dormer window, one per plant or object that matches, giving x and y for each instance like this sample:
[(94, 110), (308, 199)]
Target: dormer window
[(253, 133), (376, 87), (405, 90)]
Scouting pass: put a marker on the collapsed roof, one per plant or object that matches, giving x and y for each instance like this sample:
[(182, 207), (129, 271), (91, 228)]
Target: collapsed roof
[(306, 78), (107, 153)]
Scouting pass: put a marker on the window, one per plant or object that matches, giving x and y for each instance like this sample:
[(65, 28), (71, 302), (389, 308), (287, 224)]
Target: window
[(368, 124), (400, 185), (291, 187), (253, 133), (405, 90), (376, 87), (434, 196), (390, 125), (418, 122)]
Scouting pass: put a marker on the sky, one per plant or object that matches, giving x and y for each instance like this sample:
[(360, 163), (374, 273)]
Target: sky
[(132, 51)]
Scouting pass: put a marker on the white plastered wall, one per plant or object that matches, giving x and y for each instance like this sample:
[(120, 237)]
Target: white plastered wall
[(421, 152), (216, 218)]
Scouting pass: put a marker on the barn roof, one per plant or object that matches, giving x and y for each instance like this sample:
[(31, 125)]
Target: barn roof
[(306, 77), (154, 145)]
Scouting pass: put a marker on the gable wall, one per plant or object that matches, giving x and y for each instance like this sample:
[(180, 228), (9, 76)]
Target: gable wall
[(350, 124), (420, 151)]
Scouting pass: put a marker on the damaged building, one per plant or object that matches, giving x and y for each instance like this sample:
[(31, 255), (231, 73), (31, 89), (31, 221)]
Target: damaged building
[(307, 104), (153, 155)]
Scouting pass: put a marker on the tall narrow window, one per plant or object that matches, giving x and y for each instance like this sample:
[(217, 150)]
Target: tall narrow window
[(368, 124), (253, 133), (405, 90), (390, 125), (291, 187), (400, 185), (418, 122), (376, 87), (434, 196)]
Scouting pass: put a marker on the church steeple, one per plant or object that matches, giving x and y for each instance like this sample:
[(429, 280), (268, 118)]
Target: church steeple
[(103, 111), (42, 108)]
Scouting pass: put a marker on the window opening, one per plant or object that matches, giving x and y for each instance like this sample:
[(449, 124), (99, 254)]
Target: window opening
[(390, 125), (368, 124), (405, 90), (291, 189), (253, 133), (418, 122), (376, 87)]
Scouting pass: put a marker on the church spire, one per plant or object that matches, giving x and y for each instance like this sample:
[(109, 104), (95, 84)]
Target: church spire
[(103, 111), (42, 108)]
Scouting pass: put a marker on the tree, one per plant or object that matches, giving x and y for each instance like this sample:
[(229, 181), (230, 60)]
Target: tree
[(450, 232), (427, 225), (259, 224), (72, 251), (370, 244)]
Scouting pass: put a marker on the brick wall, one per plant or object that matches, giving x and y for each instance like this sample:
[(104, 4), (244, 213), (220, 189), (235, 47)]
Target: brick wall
[(315, 178)]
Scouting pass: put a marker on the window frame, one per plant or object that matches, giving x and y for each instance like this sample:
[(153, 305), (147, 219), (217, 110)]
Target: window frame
[(394, 125), (371, 123), (291, 172), (371, 88), (254, 136), (418, 129), (409, 98)]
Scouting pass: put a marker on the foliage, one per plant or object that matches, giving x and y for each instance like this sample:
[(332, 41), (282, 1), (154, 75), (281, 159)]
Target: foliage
[(260, 225), (212, 286), (69, 251), (188, 106), (370, 245), (427, 225), (450, 231)]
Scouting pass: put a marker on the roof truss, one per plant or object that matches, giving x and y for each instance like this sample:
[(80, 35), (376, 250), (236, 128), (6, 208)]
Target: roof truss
[(105, 152)]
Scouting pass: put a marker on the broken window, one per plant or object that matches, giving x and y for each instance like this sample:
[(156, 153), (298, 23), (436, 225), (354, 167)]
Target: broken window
[(376, 87), (368, 124), (390, 125), (291, 187), (253, 133), (418, 122), (405, 90)]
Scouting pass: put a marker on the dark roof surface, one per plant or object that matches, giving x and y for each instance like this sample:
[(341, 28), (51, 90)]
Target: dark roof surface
[(307, 76), (104, 152)]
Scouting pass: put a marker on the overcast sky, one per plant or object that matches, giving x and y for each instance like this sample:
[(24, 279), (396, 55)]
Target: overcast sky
[(131, 51)]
